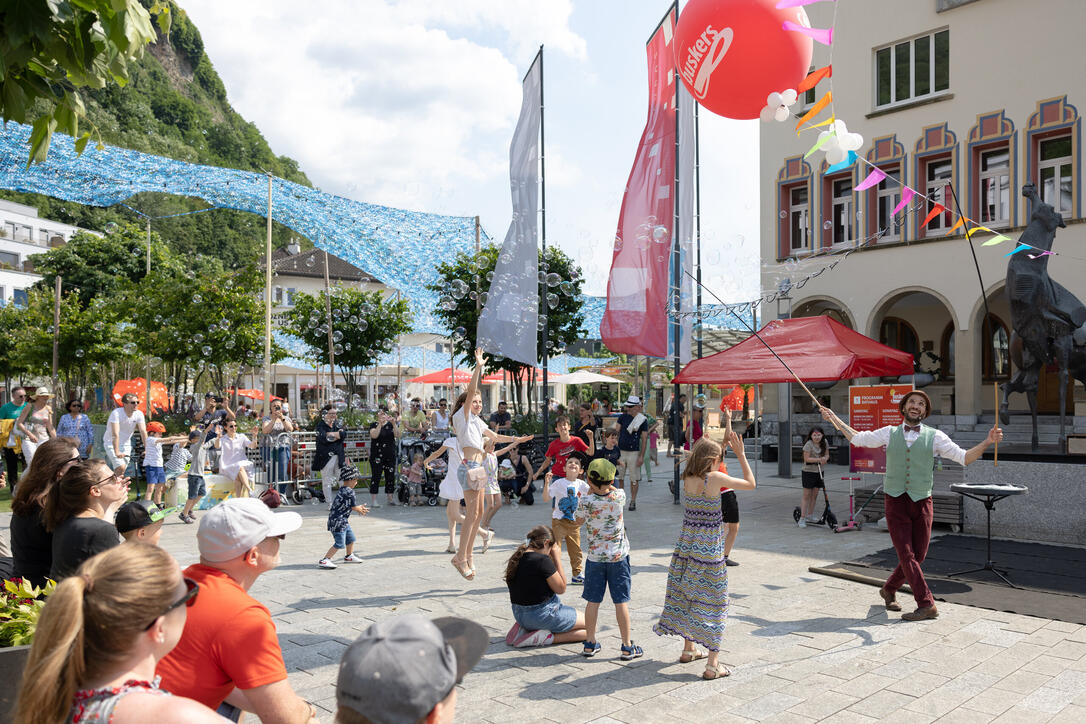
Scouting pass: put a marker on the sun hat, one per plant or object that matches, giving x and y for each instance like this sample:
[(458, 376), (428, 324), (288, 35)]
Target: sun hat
[(401, 667), (631, 401), (507, 463), (42, 392), (237, 524)]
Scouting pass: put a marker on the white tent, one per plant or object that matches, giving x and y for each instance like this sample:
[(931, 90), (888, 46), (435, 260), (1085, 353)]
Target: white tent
[(583, 377)]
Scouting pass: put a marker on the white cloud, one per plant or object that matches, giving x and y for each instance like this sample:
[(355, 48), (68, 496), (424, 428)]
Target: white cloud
[(381, 104)]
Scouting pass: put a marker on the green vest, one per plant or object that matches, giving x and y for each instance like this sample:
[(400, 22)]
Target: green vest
[(909, 469)]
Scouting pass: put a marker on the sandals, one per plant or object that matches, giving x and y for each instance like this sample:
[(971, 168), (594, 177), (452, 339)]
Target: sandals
[(717, 672), (450, 549), (695, 655), (488, 535), (463, 569)]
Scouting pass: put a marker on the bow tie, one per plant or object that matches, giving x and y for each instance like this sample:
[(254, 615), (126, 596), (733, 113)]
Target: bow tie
[(912, 428)]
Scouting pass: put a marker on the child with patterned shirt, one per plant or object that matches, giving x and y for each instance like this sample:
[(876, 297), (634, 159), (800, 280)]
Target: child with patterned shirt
[(608, 556), (339, 515), (566, 494), (414, 480)]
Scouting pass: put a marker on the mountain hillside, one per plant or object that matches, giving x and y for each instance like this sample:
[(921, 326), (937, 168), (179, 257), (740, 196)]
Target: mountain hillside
[(176, 106)]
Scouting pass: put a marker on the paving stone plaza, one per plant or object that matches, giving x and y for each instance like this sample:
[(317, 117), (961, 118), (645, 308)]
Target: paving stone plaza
[(802, 647)]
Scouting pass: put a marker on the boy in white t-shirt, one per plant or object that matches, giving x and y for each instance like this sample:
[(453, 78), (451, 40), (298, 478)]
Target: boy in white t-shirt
[(152, 461), (566, 493)]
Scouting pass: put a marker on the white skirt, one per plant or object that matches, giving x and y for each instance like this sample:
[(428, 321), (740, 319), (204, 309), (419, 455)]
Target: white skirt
[(450, 488), (231, 471)]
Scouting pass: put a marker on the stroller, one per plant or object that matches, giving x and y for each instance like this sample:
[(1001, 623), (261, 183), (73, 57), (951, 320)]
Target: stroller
[(828, 517), (431, 480)]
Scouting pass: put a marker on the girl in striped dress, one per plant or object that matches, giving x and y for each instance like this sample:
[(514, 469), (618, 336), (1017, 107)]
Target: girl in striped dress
[(696, 601)]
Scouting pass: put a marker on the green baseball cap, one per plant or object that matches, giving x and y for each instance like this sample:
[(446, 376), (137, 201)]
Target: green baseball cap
[(602, 469), (138, 514)]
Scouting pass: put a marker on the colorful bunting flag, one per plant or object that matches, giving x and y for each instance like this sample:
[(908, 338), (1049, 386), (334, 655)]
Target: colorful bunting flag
[(813, 78), (1020, 247), (826, 122), (975, 229), (843, 165), (1038, 256), (935, 211), (960, 222), (815, 109), (822, 35), (873, 179), (997, 239), (906, 196), (818, 144)]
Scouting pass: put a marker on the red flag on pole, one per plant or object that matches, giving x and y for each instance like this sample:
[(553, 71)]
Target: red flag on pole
[(635, 321)]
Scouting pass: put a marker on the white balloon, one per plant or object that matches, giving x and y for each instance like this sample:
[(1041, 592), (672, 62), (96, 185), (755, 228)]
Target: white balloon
[(839, 128), (852, 141), (782, 114), (767, 114), (773, 100), (836, 155), (826, 144), (789, 96)]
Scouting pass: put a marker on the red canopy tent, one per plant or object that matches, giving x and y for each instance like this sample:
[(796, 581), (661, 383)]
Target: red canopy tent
[(444, 377), (252, 394), (160, 397), (816, 348)]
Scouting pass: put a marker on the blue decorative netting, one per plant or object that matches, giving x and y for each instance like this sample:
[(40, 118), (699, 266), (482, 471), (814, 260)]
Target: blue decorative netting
[(398, 247)]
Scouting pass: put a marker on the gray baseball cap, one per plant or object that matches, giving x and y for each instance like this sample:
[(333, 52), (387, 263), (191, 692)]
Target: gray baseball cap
[(401, 667)]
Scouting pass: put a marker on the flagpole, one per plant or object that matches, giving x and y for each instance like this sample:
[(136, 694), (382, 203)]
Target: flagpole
[(675, 263), (543, 240)]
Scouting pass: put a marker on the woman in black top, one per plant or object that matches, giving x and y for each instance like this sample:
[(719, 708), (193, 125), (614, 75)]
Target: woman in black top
[(383, 456), (586, 428), (78, 512), (535, 578), (330, 454), (523, 481), (31, 543)]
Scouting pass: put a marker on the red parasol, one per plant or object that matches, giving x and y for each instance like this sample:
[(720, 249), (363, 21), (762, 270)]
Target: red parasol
[(160, 398), (253, 394), (442, 377)]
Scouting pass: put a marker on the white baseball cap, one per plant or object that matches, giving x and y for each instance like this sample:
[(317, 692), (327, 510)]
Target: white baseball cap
[(236, 525)]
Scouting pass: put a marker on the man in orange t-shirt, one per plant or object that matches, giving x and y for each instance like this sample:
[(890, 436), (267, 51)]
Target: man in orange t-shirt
[(229, 651)]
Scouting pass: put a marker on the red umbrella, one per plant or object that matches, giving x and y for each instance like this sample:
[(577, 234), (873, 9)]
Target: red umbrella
[(734, 399), (815, 348), (160, 398), (253, 394), (444, 377)]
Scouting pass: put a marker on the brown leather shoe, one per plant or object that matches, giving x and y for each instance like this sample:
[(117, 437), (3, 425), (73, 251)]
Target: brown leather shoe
[(921, 614), (891, 603)]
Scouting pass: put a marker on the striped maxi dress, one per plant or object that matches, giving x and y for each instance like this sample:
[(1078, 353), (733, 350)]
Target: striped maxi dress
[(696, 601)]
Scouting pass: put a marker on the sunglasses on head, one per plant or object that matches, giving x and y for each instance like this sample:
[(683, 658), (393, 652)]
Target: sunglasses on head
[(191, 589)]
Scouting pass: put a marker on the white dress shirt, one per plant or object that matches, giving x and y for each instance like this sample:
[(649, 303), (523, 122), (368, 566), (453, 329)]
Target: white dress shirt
[(942, 446)]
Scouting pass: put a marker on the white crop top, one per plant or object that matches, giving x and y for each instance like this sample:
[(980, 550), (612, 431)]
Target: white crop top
[(469, 433)]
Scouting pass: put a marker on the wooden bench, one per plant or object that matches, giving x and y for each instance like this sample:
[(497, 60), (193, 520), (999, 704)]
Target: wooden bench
[(947, 507)]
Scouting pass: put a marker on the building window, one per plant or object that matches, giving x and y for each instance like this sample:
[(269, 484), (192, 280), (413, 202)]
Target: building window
[(912, 68), (946, 353), (799, 219), (1054, 172), (43, 237), (9, 260), (996, 352), (18, 297), (842, 224), (277, 295), (899, 334), (937, 175), (291, 291), (889, 194), (995, 186)]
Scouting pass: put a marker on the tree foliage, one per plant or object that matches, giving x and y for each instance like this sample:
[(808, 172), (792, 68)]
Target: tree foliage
[(51, 52), (365, 326), (465, 280)]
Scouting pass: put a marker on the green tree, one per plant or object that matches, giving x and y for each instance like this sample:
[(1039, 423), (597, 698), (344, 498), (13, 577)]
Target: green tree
[(98, 266), (12, 321), (464, 283), (365, 325), (50, 52)]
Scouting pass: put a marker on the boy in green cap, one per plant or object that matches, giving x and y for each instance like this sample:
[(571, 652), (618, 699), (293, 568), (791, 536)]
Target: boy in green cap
[(608, 556)]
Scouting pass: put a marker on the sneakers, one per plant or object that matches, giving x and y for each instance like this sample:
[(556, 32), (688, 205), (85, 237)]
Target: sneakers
[(352, 559), (633, 651), (633, 505), (591, 648), (521, 638), (802, 523), (325, 563), (730, 562), (577, 580)]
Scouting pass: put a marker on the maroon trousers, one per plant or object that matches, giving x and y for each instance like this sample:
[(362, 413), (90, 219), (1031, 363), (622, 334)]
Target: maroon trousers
[(909, 522)]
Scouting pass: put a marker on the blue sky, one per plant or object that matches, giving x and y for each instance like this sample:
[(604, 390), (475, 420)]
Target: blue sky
[(412, 104)]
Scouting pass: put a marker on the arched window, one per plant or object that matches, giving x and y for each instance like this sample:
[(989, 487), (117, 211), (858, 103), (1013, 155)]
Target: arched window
[(995, 349), (899, 334), (946, 353)]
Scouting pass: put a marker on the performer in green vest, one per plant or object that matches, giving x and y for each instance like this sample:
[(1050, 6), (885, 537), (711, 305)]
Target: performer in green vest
[(910, 458)]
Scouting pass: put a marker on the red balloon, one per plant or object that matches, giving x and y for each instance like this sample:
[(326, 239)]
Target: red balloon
[(731, 54)]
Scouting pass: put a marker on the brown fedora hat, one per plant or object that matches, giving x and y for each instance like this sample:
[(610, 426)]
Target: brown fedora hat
[(919, 393)]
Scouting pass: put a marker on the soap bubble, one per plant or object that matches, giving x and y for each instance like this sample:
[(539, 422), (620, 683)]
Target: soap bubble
[(783, 213), (337, 349), (110, 228), (567, 288), (553, 279), (660, 234), (337, 336), (363, 325), (490, 276), (79, 353), (827, 224), (197, 299), (700, 399), (129, 348), (552, 300), (459, 333), (310, 261), (205, 351)]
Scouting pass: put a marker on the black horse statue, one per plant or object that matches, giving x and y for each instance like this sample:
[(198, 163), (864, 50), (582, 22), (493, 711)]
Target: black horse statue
[(1045, 316)]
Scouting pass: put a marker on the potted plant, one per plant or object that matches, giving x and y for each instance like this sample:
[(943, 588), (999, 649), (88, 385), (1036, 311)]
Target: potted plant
[(20, 605)]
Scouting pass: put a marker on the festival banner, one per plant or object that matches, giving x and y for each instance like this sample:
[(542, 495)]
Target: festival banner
[(869, 408), (636, 320), (508, 321), (687, 146)]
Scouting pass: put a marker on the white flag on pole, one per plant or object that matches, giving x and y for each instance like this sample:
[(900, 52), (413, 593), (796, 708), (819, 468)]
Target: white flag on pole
[(687, 145), (508, 321)]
